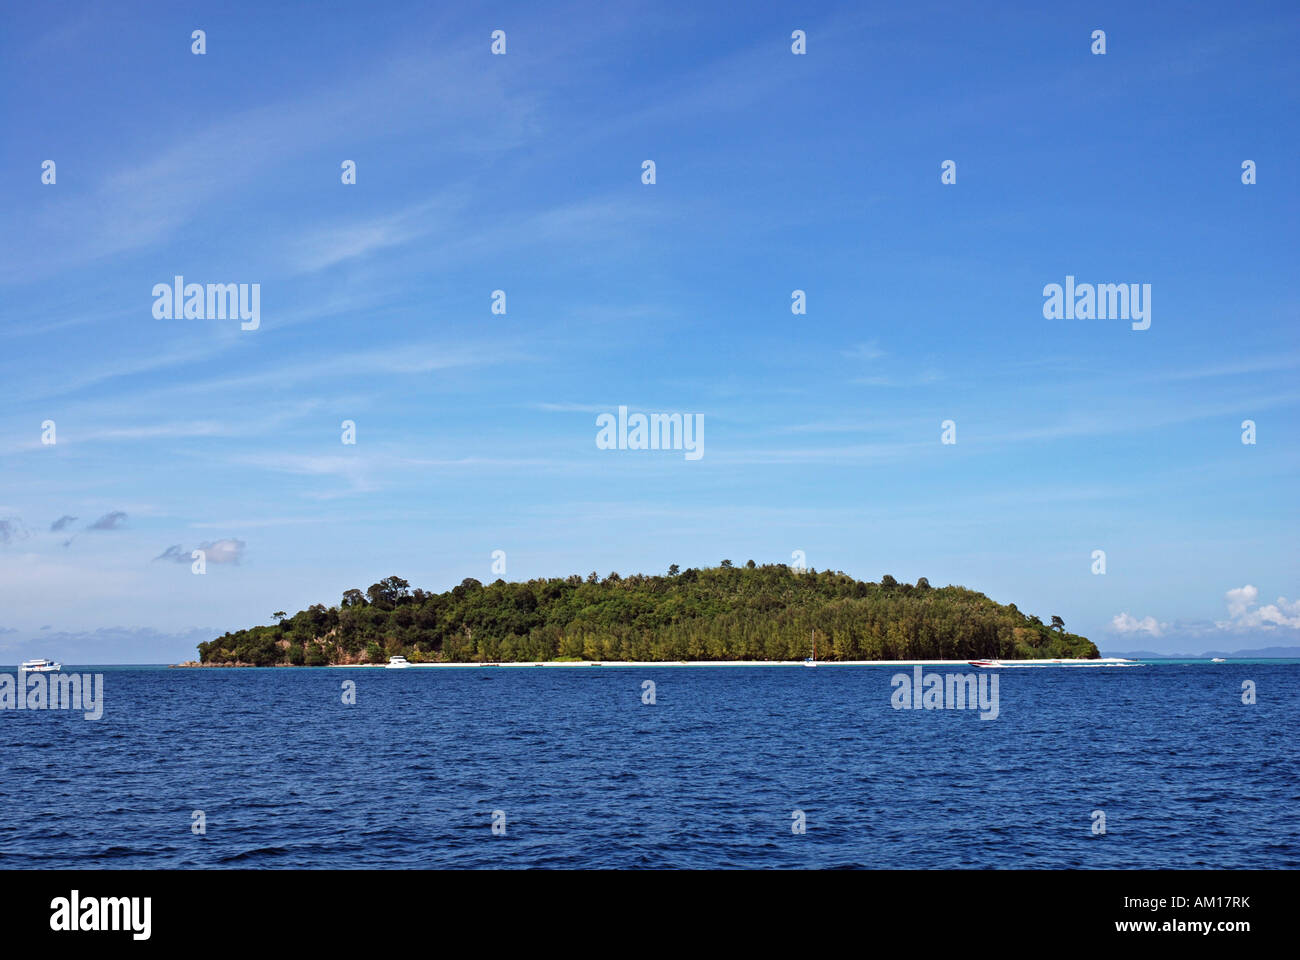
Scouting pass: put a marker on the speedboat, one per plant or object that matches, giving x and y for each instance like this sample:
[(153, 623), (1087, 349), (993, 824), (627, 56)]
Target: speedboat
[(984, 663), (397, 663), (40, 666)]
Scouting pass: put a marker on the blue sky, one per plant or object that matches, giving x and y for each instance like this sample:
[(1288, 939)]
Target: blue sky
[(774, 172)]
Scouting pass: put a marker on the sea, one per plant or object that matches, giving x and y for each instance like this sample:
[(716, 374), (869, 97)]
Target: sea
[(1164, 765)]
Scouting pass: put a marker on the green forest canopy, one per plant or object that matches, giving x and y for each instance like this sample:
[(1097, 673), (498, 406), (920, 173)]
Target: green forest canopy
[(753, 612)]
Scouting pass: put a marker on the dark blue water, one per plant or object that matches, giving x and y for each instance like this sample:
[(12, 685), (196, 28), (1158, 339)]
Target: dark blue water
[(588, 776)]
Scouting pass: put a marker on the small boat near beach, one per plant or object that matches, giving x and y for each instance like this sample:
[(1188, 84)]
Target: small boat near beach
[(397, 663), (812, 661)]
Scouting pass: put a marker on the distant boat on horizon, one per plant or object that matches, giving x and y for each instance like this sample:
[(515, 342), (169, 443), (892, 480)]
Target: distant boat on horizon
[(40, 666), (1217, 660)]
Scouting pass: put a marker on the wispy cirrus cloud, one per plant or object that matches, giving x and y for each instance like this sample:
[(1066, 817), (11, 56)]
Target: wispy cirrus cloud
[(922, 379), (564, 407), (146, 199), (328, 245), (864, 351), (1233, 368)]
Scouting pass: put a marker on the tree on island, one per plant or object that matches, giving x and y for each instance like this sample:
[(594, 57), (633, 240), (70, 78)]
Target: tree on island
[(388, 593)]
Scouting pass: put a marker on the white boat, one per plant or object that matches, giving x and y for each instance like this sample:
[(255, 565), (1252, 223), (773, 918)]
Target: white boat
[(812, 661), (1217, 660), (40, 666), (984, 663), (397, 663)]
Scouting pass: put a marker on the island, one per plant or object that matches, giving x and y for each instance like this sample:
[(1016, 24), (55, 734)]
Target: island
[(768, 612)]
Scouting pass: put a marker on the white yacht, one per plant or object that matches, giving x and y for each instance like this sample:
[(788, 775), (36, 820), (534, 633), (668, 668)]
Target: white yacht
[(397, 663), (812, 661), (1217, 660), (40, 666)]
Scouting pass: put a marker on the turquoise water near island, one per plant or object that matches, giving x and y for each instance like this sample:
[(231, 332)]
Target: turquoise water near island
[(710, 775)]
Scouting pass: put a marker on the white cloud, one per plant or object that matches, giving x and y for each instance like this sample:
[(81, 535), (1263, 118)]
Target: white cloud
[(223, 551), (1241, 599), (228, 550), (1124, 623), (1240, 602)]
